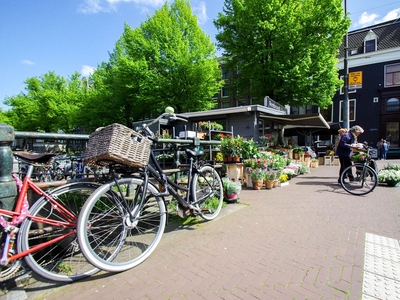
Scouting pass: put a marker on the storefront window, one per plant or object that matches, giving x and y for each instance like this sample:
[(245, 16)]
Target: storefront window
[(392, 134), (392, 105)]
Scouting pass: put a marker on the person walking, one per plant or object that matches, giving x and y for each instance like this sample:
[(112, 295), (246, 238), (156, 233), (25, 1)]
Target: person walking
[(384, 149), (341, 131), (345, 148), (379, 146)]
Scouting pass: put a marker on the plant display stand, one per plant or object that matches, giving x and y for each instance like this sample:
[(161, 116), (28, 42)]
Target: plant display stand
[(235, 172), (249, 182)]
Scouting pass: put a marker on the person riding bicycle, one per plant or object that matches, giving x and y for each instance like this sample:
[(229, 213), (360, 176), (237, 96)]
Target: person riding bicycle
[(345, 148)]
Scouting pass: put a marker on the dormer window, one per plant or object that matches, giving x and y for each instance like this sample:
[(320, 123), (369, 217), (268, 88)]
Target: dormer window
[(370, 42)]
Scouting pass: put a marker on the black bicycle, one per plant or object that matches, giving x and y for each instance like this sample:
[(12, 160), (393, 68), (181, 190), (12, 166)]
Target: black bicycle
[(123, 221), (361, 177)]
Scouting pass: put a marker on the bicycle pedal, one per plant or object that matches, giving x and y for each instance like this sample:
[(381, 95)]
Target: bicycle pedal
[(183, 212)]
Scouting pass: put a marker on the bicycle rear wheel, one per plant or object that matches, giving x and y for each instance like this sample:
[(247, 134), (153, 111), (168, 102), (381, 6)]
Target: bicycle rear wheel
[(109, 238), (358, 179), (207, 192), (62, 260)]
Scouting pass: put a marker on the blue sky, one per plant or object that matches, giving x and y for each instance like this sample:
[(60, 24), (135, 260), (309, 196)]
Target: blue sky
[(66, 36)]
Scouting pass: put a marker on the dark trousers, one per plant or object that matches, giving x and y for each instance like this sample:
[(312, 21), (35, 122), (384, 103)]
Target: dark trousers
[(345, 161)]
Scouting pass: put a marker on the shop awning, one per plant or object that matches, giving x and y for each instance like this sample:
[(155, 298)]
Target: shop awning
[(293, 121)]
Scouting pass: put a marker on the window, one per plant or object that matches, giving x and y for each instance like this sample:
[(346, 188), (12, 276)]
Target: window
[(392, 134), (225, 92), (242, 102), (225, 73), (370, 42), (370, 46), (392, 105), (392, 75), (225, 104), (342, 88), (327, 113), (352, 110)]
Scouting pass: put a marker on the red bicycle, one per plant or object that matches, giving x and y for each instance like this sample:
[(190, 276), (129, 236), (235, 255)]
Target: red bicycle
[(44, 234)]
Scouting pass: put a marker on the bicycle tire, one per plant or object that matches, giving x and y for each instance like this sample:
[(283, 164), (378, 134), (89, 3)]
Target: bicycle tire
[(61, 261), (108, 238), (363, 183), (207, 192)]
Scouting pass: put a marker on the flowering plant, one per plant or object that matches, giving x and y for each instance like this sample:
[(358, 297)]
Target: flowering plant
[(283, 178), (257, 175), (390, 174), (270, 175)]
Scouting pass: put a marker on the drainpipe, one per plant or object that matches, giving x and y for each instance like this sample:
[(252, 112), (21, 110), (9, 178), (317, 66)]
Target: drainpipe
[(8, 188)]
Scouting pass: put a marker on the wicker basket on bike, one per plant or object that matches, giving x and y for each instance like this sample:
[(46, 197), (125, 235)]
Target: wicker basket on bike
[(117, 144)]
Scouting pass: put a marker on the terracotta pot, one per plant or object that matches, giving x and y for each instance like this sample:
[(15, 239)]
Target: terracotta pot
[(268, 184), (257, 184), (236, 159)]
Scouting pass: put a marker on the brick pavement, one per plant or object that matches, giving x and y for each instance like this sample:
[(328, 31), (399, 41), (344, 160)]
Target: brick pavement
[(302, 241)]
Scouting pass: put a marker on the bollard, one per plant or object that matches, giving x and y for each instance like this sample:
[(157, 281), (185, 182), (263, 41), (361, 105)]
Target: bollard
[(8, 188)]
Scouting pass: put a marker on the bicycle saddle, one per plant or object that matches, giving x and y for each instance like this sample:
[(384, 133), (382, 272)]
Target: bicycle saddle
[(192, 153), (38, 158)]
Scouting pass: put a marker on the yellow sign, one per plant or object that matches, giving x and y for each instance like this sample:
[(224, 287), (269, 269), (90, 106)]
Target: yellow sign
[(355, 80)]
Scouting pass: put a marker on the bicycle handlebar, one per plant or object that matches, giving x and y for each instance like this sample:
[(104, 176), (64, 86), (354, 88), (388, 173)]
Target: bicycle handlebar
[(169, 113)]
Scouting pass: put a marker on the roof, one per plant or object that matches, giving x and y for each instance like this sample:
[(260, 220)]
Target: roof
[(307, 120), (388, 34), (290, 121), (235, 110)]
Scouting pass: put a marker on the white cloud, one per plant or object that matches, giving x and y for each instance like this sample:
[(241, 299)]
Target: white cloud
[(201, 11), (370, 19), (97, 6), (367, 19), (27, 62), (92, 7), (87, 70), (391, 15), (153, 3)]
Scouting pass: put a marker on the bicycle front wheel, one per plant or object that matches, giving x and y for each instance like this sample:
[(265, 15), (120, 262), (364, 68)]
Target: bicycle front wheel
[(207, 192), (117, 233), (358, 179), (61, 260)]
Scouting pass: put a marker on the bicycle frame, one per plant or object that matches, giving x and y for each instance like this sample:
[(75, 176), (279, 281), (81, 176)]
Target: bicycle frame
[(11, 236)]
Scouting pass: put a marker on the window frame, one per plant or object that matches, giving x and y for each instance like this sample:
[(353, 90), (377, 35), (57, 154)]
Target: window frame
[(393, 74), (354, 110)]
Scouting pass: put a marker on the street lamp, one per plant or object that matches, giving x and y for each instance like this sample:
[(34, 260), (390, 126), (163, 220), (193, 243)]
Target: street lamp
[(346, 78)]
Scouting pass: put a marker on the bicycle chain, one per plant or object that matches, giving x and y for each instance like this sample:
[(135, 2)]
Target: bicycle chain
[(10, 271)]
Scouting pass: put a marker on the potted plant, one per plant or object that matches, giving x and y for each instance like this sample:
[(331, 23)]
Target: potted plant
[(249, 149), (231, 189), (269, 178), (257, 177), (283, 179), (390, 175), (314, 163)]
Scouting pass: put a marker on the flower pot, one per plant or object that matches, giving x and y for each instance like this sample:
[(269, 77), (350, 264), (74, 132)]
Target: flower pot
[(232, 197), (275, 183), (391, 182), (236, 159), (268, 184), (257, 184)]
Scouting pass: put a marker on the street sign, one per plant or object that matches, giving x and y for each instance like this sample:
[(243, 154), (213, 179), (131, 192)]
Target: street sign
[(355, 80)]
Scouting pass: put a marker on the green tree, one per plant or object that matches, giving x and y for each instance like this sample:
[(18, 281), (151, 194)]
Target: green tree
[(283, 49), (167, 61), (4, 117), (49, 104)]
